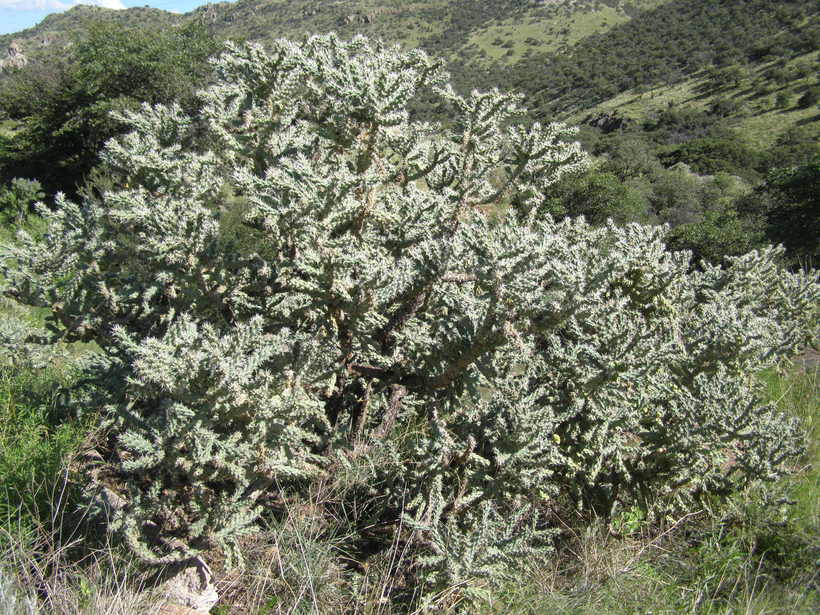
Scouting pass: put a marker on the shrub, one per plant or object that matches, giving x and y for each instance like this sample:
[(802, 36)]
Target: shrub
[(303, 279), (792, 219), (16, 199), (64, 106), (809, 98), (783, 100)]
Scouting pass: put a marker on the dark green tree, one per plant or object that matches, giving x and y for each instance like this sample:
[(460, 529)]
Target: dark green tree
[(676, 195), (632, 157), (717, 153), (792, 209), (722, 228), (17, 198), (783, 100), (65, 107), (598, 196)]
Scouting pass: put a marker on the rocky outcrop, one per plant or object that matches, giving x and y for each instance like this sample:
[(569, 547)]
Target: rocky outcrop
[(609, 121), (48, 38), (15, 58), (357, 19)]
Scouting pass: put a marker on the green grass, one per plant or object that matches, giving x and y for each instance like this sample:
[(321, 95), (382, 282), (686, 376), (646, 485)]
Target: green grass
[(562, 30), (798, 393), (763, 129), (36, 442), (39, 432), (636, 105), (759, 121)]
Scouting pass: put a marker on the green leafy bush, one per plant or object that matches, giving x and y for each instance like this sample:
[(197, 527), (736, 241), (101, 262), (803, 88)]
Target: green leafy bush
[(396, 297), (17, 199), (64, 107)]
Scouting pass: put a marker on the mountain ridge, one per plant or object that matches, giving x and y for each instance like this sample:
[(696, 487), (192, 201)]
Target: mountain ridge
[(442, 24), (568, 57)]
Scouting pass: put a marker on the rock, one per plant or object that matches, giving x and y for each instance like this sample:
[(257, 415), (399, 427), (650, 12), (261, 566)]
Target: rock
[(609, 122), (15, 50), (174, 609), (15, 58), (190, 591)]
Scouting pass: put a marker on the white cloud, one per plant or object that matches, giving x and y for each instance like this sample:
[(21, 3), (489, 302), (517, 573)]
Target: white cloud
[(109, 4), (56, 5)]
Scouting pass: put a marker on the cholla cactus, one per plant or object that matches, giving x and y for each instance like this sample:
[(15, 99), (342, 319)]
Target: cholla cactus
[(482, 550), (303, 266)]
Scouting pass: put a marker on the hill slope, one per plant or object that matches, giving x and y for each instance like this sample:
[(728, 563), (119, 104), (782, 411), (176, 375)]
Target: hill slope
[(57, 31), (458, 30), (565, 55)]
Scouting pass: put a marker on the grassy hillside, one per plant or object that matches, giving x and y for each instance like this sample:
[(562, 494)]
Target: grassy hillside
[(567, 56), (760, 108), (461, 31), (551, 27), (722, 86), (665, 46)]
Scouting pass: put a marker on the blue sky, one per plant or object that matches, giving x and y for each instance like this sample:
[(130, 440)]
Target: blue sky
[(18, 15)]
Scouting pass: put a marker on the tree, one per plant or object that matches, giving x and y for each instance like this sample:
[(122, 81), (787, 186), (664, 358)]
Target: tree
[(783, 100), (796, 147), (722, 227), (17, 198), (632, 158), (718, 153), (598, 196), (726, 77), (725, 107), (788, 199), (676, 195), (300, 278), (65, 107)]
